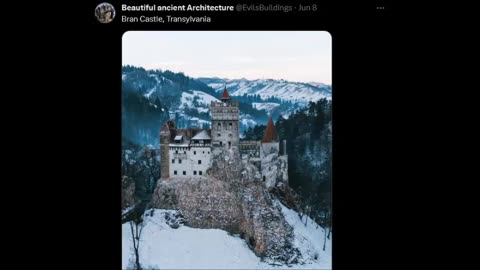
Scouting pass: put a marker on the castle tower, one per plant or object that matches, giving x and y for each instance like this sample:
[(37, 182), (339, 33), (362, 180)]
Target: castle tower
[(225, 125), (274, 167), (270, 134), (165, 135), (270, 141)]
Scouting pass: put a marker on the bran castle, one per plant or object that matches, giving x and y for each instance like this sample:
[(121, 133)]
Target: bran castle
[(188, 152)]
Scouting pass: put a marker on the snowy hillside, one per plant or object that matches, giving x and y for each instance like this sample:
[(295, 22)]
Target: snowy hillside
[(196, 100), (163, 247), (266, 88), (318, 84), (150, 97), (267, 106)]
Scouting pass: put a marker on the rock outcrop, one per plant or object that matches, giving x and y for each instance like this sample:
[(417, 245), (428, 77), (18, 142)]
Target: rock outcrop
[(232, 198), (204, 202), (286, 195)]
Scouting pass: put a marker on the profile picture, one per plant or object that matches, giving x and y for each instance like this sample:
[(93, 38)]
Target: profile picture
[(105, 12)]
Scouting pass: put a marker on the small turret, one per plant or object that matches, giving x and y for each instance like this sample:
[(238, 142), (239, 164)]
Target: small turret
[(225, 96), (270, 133)]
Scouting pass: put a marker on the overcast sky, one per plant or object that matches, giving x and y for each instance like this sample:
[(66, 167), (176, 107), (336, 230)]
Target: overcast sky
[(301, 56)]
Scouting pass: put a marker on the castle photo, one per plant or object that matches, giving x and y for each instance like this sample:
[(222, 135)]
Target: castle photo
[(226, 157), (188, 152)]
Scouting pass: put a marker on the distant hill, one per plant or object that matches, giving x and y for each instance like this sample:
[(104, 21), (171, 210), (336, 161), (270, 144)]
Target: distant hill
[(266, 88), (150, 97)]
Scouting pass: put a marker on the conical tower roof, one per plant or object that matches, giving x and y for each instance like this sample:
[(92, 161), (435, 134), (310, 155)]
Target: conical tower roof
[(225, 95), (270, 134)]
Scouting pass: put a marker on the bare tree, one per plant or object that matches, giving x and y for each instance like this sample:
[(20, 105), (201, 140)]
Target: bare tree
[(142, 166), (136, 228), (326, 226), (324, 235), (308, 208)]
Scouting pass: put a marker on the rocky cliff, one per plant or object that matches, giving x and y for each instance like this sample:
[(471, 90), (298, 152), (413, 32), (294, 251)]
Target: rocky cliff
[(232, 198)]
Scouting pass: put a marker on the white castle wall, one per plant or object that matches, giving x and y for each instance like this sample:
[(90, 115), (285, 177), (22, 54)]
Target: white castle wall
[(283, 173), (189, 161), (269, 163)]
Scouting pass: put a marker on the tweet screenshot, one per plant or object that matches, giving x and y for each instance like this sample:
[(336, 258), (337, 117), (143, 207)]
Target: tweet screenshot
[(228, 115)]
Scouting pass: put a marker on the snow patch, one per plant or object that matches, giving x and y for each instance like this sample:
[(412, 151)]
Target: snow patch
[(248, 122), (147, 95), (186, 248), (267, 106), (203, 99)]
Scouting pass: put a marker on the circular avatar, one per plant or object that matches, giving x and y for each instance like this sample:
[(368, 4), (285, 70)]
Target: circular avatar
[(105, 12)]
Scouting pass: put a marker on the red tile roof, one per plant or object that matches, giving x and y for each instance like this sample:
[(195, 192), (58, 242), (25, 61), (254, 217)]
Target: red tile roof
[(225, 94), (270, 133)]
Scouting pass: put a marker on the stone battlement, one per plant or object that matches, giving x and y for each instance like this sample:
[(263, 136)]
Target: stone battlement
[(215, 104), (249, 143)]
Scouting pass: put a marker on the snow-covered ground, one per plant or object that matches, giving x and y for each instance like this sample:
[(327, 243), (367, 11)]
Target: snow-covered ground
[(163, 247), (309, 239)]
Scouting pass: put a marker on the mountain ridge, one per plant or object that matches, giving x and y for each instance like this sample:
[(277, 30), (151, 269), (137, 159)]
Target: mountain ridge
[(301, 92), (150, 97)]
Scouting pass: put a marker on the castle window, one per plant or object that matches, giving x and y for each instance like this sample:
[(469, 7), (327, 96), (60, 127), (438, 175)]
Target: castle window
[(264, 178), (184, 173), (209, 152), (194, 172), (229, 143), (179, 161), (200, 172), (203, 152), (230, 123), (199, 161), (184, 152), (173, 160), (219, 124), (176, 151), (220, 143), (175, 172), (230, 135), (194, 152), (218, 135)]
